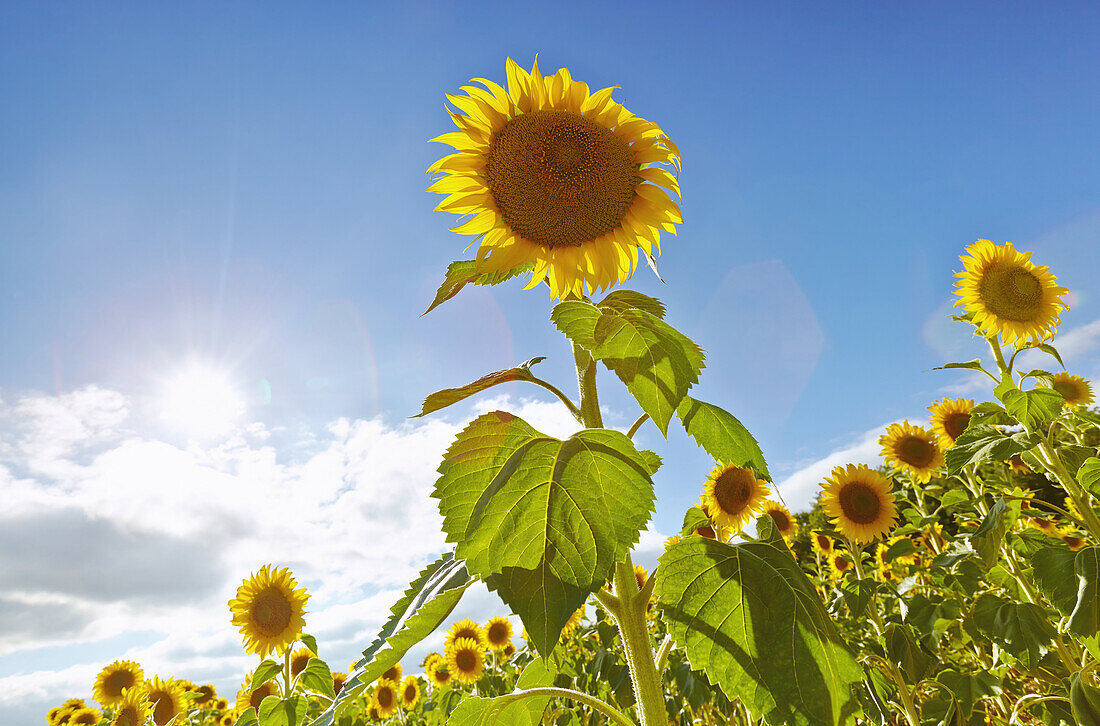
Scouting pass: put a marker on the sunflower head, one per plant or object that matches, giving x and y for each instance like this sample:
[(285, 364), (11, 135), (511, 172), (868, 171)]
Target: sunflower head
[(84, 717), (166, 698), (1018, 465), (207, 696), (783, 520), (1076, 390), (52, 715), (859, 501), (950, 417), (732, 495), (393, 673), (221, 704), (299, 659), (912, 448), (227, 719), (573, 621), (464, 628), (338, 680), (839, 565), (557, 178), (1043, 525), (498, 632), (269, 611), (384, 697), (249, 698), (114, 679), (822, 543), (466, 660), (509, 651), (132, 708), (1007, 294), (439, 675), (410, 692), (1073, 539)]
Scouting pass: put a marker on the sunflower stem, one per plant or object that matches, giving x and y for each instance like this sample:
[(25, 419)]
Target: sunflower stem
[(605, 708), (286, 672), (576, 413), (857, 557)]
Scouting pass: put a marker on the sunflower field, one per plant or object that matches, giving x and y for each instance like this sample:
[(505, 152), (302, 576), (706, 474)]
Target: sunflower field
[(957, 584)]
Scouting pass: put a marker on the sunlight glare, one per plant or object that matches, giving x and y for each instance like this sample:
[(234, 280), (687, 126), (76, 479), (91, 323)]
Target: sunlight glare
[(201, 401)]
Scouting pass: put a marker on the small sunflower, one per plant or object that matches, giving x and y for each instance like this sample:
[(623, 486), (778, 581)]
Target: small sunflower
[(950, 417), (114, 679), (1075, 389), (859, 502), (558, 178), (393, 673), (466, 660), (498, 632), (1043, 525), (227, 719), (221, 704), (299, 659), (85, 717), (207, 696), (73, 704), (248, 698), (465, 628), (573, 621), (1073, 539), (410, 692), (384, 697), (913, 449), (784, 522), (52, 715), (268, 610), (439, 675), (132, 709), (338, 681), (822, 543), (431, 659), (166, 698), (733, 494), (1008, 294), (641, 576), (839, 565), (1018, 465), (508, 652)]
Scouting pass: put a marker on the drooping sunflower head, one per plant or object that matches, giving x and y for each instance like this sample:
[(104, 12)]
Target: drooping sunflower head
[(913, 449), (207, 696), (393, 673), (299, 659), (269, 610), (410, 692), (558, 178), (114, 679), (822, 543), (249, 698), (783, 520), (132, 708), (464, 628), (733, 494), (384, 697), (466, 660), (339, 678), (84, 717), (950, 417), (859, 502), (1076, 390), (166, 698), (1009, 295), (1073, 539), (498, 632)]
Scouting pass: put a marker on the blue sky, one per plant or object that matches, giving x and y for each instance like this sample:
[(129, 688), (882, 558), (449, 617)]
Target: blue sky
[(243, 184)]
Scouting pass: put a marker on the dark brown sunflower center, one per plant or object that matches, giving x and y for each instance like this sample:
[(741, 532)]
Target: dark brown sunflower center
[(164, 709), (497, 633), (955, 424), (271, 612), (706, 531), (859, 502), (915, 451), (128, 716), (385, 697), (260, 694), (391, 674), (117, 681), (297, 664), (560, 179), (206, 694), (442, 675), (410, 693), (1068, 390), (1011, 292), (466, 660), (840, 563), (824, 543), (781, 520), (733, 488)]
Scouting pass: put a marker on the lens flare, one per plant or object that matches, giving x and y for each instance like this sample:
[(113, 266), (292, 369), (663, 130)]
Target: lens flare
[(201, 401)]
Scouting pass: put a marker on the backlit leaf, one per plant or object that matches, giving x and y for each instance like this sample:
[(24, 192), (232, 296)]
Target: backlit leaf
[(449, 396), (721, 435)]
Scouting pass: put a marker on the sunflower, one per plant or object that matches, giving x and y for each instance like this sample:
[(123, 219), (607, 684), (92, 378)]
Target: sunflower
[(950, 418), (73, 704), (641, 576), (268, 610), (1073, 538), (674, 539), (393, 673), (732, 495), (114, 679), (784, 522), (439, 675), (466, 660), (557, 178), (248, 698), (410, 692), (132, 709), (913, 449), (299, 659), (859, 502), (384, 697), (838, 566), (166, 698), (1043, 525), (573, 621), (822, 543), (1018, 465), (207, 696), (1075, 389), (53, 714), (1009, 295), (85, 717), (227, 719), (221, 704), (430, 659), (465, 628), (498, 632), (338, 680), (508, 652)]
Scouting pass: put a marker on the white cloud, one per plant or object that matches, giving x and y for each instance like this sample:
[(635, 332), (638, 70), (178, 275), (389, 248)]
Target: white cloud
[(1074, 345)]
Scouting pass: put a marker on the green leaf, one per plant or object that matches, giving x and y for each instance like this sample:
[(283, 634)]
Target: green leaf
[(955, 497), (721, 435), (989, 535), (970, 687), (449, 396), (464, 272), (1089, 476), (901, 548), (1034, 408), (974, 365), (857, 595), (1051, 350), (514, 709), (247, 718), (1074, 456), (1085, 618), (541, 599), (264, 672), (625, 299), (427, 602), (747, 617), (309, 641), (905, 652), (1022, 629), (985, 443), (275, 711), (1084, 699), (512, 497), (694, 518), (1055, 576), (656, 362), (989, 413), (317, 678)]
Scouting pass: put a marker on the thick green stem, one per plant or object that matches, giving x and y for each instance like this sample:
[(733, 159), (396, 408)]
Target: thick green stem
[(604, 708), (586, 382)]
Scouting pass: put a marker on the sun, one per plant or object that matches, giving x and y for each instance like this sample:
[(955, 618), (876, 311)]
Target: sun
[(201, 401)]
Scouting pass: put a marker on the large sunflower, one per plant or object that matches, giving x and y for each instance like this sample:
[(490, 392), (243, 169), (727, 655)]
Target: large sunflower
[(498, 632), (950, 417), (166, 698), (384, 697), (466, 660), (1075, 389), (132, 709), (1009, 295), (783, 520), (859, 502), (557, 178), (464, 628), (114, 679), (268, 610), (912, 448), (732, 495)]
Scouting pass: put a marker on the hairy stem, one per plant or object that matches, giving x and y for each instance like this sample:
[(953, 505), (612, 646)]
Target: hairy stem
[(605, 708)]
